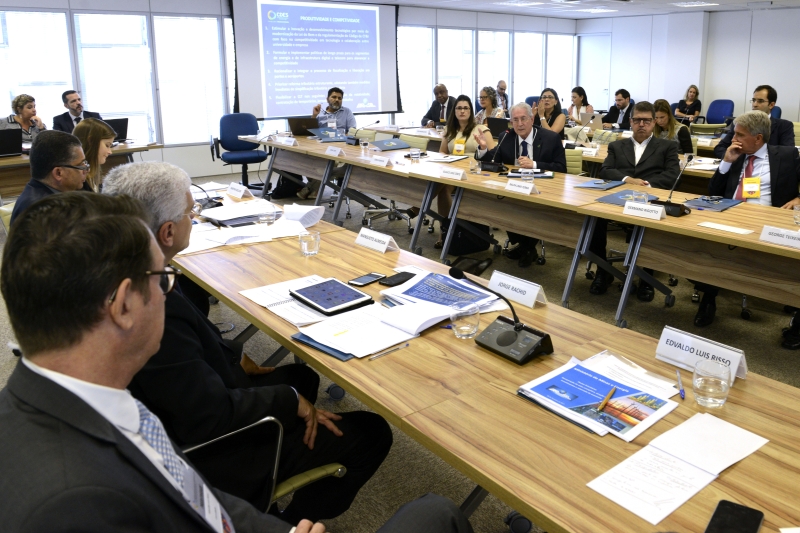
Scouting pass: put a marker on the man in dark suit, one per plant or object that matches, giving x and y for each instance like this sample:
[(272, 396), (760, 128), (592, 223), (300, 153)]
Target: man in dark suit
[(641, 159), (202, 387), (619, 115), (502, 96), (58, 164), (441, 107), (75, 113), (527, 146), (751, 154), (78, 452), (781, 132)]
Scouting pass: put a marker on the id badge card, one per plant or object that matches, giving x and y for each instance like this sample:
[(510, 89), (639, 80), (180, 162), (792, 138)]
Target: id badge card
[(458, 148), (203, 501), (751, 187)]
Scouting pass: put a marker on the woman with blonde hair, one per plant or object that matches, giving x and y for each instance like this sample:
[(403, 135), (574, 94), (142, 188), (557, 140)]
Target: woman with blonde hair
[(24, 118), (97, 138), (689, 108), (668, 128)]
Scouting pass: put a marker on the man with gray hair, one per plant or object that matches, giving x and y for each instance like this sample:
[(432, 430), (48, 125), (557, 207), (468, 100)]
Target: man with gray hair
[(754, 171), (202, 386)]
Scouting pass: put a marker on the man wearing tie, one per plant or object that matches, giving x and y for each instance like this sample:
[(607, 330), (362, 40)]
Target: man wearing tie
[(440, 108), (754, 171), (619, 115), (75, 113)]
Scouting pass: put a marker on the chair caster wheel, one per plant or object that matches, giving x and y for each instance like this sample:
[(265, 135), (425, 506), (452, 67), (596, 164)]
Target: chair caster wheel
[(673, 282), (425, 221), (213, 300), (348, 215), (410, 231), (695, 298), (541, 260), (497, 249), (517, 523), (622, 323), (589, 274), (391, 216), (447, 262), (418, 250), (746, 314), (669, 300), (335, 392), (364, 222), (431, 229)]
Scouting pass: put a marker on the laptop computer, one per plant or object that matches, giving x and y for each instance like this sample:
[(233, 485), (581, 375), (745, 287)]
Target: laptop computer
[(299, 126), (10, 142), (593, 120), (120, 125), (497, 125)]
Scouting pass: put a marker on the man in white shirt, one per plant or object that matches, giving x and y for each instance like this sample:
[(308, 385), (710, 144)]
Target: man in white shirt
[(75, 112), (619, 115), (502, 96)]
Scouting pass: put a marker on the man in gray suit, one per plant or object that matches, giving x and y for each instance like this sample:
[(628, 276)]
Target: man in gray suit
[(85, 284)]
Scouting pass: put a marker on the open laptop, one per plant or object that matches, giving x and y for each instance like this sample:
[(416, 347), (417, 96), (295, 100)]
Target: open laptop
[(497, 125), (593, 120), (120, 125), (10, 142), (299, 126)]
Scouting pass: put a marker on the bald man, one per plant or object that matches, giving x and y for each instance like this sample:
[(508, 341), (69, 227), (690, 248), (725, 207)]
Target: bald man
[(442, 105)]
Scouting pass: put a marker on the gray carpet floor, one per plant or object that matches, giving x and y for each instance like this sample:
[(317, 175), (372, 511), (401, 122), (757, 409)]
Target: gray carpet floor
[(410, 470)]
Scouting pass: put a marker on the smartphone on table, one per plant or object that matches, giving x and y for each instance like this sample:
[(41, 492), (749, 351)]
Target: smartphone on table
[(366, 279)]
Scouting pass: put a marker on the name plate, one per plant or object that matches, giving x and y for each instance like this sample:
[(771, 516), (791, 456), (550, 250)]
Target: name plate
[(423, 131), (393, 127), (334, 151), (237, 190), (380, 160), (590, 151), (522, 187), (636, 209), (452, 173), (703, 142), (684, 350), (287, 141), (625, 134), (783, 237), (373, 240), (517, 290), (586, 129)]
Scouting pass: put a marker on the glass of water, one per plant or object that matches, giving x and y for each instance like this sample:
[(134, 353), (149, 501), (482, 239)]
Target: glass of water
[(474, 166), (641, 197), (711, 382), (364, 146), (415, 155), (269, 215), (309, 243), (796, 211), (464, 319)]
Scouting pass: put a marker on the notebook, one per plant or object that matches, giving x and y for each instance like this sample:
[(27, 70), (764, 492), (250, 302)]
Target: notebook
[(390, 144), (10, 142), (299, 126), (497, 125), (601, 185), (120, 125)]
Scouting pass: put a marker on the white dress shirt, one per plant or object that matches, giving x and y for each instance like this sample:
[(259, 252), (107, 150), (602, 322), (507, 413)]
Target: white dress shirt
[(761, 169), (529, 139), (638, 150)]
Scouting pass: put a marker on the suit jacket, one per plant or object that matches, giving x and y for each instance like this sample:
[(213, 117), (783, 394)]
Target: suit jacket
[(547, 150), (34, 190), (659, 163), (195, 383), (781, 133), (613, 115), (436, 107), (784, 176), (66, 468), (64, 122)]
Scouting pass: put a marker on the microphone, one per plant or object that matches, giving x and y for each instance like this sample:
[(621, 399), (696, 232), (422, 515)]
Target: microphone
[(457, 273), (492, 166), (675, 210), (352, 139)]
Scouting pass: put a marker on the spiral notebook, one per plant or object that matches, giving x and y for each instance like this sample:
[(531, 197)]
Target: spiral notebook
[(276, 298)]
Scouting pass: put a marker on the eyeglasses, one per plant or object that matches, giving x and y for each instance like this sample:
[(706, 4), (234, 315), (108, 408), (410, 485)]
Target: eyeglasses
[(520, 120), (166, 283), (759, 101), (197, 208), (482, 97), (83, 168), (642, 120), (462, 108), (548, 97)]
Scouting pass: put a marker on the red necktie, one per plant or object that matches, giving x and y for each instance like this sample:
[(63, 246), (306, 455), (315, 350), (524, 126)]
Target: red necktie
[(441, 112), (748, 173)]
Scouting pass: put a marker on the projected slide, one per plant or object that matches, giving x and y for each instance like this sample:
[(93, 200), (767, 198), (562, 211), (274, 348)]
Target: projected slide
[(306, 49)]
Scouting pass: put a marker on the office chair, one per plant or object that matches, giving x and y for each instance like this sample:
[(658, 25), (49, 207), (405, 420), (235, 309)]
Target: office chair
[(776, 112), (673, 107), (238, 152), (604, 137), (796, 131), (532, 100), (478, 106), (271, 434), (717, 113), (5, 215)]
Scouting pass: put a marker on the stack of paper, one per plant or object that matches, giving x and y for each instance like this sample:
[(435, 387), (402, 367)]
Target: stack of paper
[(240, 209), (207, 236), (307, 215)]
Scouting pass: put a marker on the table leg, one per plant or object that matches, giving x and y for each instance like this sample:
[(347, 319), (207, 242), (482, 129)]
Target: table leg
[(473, 501), (427, 199), (342, 190), (587, 230), (267, 181), (630, 262), (325, 177), (452, 230)]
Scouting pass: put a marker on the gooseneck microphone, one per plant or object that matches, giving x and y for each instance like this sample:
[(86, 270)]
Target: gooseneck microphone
[(491, 166), (457, 273), (675, 210), (352, 139)]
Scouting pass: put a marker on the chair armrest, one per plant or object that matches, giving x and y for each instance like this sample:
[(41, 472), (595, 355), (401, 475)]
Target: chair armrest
[(187, 450), (699, 118), (214, 144), (301, 480)]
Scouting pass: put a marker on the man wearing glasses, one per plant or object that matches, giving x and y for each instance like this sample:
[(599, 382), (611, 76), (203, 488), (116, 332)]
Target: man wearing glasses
[(641, 159), (57, 165), (619, 115), (781, 131), (502, 96)]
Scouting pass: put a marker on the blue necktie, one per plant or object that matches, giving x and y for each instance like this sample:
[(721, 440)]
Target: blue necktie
[(524, 149), (153, 431)]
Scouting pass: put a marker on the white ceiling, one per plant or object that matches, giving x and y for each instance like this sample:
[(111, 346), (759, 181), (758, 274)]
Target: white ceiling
[(571, 8)]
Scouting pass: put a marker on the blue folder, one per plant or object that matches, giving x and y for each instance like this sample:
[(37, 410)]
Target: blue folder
[(712, 205), (619, 198), (308, 341), (323, 135), (390, 144), (599, 185)]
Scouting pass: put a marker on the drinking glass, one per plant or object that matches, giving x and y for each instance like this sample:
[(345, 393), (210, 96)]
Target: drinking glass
[(474, 166), (269, 215), (641, 197), (414, 155), (364, 145), (464, 319), (309, 243), (711, 382), (796, 211)]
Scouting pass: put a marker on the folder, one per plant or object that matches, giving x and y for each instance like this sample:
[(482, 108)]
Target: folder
[(390, 144)]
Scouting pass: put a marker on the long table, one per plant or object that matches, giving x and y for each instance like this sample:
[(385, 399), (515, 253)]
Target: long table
[(459, 401), (15, 171)]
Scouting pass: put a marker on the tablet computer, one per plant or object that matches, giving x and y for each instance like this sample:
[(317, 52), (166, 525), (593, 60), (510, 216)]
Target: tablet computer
[(331, 297)]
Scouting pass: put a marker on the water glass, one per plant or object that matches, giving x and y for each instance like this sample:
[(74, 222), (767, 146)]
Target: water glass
[(796, 211), (641, 197), (269, 215), (711, 382), (465, 318), (364, 145), (309, 242), (340, 132), (439, 129), (474, 166), (414, 155)]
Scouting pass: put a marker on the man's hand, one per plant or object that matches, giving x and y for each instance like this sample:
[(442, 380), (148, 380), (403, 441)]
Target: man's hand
[(307, 526), (316, 110), (637, 181), (430, 124), (525, 162), (691, 118), (480, 139), (733, 152), (791, 203), (252, 369), (607, 126), (312, 418)]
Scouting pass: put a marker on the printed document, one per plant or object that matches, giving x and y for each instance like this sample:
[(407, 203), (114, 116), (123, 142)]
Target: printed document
[(276, 298)]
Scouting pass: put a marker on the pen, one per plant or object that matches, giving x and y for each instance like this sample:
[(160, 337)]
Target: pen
[(387, 352), (608, 397), (680, 384)]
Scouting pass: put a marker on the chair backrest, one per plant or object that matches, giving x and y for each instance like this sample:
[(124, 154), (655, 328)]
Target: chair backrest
[(694, 145), (233, 125), (363, 134), (478, 105), (705, 129), (718, 110), (574, 161), (604, 137), (5, 215), (776, 112), (532, 100), (415, 142), (796, 131), (673, 107)]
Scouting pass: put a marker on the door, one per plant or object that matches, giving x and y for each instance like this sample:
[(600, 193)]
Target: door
[(594, 69)]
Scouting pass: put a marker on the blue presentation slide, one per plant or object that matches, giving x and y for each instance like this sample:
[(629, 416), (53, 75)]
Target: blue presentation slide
[(306, 49)]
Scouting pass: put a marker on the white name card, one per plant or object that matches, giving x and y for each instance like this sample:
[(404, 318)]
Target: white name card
[(625, 134), (636, 209), (590, 151), (393, 127), (381, 161), (522, 187), (586, 129), (287, 141), (783, 237), (703, 142), (452, 173), (684, 350), (423, 131), (236, 190), (373, 240), (517, 290), (334, 151)]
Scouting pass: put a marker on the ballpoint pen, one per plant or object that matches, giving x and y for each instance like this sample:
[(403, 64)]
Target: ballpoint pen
[(680, 384), (605, 400), (387, 352)]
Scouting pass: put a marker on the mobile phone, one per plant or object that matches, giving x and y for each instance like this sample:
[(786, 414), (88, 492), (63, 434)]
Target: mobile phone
[(731, 517), (366, 279), (397, 279)]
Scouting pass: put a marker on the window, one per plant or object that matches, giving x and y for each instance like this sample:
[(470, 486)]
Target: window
[(455, 62), (33, 65), (528, 66), (494, 54), (189, 62), (115, 70), (415, 69), (230, 62), (561, 66)]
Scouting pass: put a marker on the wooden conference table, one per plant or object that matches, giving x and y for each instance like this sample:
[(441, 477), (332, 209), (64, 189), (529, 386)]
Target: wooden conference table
[(15, 171), (459, 401)]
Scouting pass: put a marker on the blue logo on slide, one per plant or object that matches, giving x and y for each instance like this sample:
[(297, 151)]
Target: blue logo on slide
[(277, 15)]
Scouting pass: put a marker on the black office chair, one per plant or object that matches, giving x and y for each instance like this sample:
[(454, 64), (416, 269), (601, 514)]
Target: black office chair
[(238, 152)]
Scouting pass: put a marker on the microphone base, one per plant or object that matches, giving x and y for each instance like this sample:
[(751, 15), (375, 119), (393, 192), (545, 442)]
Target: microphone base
[(352, 141), (673, 210), (520, 346)]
